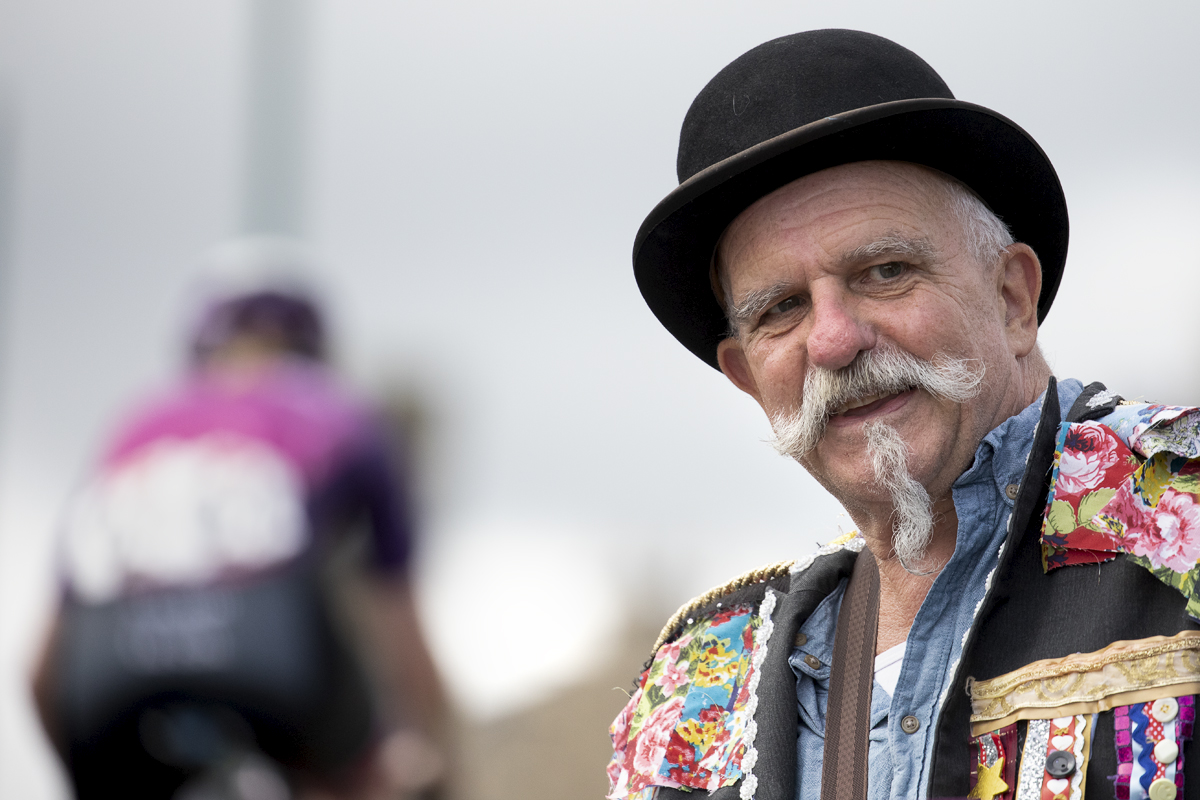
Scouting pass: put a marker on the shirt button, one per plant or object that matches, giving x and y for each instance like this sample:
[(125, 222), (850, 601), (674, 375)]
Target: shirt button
[(1163, 789), (801, 640), (812, 661), (1165, 710), (1060, 764), (910, 724), (1011, 491)]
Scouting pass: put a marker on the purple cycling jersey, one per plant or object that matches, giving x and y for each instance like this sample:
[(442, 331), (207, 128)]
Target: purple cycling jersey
[(292, 406), (232, 471)]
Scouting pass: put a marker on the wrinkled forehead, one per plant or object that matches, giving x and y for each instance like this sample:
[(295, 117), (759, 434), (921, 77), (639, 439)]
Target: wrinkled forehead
[(882, 197)]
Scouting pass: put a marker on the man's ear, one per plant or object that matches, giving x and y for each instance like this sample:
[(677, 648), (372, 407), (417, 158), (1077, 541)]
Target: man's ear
[(736, 367), (1019, 280)]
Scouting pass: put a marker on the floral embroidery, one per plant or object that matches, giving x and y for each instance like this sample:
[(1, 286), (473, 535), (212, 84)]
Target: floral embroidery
[(1100, 398), (686, 725), (1129, 484)]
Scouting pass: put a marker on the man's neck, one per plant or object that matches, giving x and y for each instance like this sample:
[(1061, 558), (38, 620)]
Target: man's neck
[(901, 592)]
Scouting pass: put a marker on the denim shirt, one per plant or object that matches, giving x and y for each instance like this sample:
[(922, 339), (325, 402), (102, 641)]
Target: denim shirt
[(898, 762)]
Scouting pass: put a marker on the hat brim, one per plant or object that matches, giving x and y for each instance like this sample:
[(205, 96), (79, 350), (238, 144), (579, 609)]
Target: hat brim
[(984, 150)]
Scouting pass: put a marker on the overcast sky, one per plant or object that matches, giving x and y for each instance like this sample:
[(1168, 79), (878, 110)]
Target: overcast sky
[(475, 175)]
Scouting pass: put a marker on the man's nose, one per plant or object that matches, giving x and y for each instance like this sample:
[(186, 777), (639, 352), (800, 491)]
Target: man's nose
[(837, 334)]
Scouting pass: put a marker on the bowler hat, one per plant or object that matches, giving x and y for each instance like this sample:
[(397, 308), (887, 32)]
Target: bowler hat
[(814, 100)]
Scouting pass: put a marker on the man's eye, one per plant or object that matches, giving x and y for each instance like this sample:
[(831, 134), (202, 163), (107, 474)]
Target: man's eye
[(887, 272), (783, 306)]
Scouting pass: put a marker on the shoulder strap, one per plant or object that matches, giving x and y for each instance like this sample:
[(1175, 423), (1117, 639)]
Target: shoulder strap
[(848, 717)]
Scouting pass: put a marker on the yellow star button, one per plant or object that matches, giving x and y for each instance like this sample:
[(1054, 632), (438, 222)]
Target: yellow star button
[(990, 783)]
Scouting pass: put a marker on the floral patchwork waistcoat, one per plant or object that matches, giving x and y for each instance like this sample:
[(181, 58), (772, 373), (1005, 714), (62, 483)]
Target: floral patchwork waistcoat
[(1087, 632)]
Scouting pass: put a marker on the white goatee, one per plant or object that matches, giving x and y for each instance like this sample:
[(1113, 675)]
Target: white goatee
[(912, 511), (882, 371)]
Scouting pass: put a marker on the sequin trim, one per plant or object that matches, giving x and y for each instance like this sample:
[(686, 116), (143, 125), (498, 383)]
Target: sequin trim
[(1033, 760), (1123, 739)]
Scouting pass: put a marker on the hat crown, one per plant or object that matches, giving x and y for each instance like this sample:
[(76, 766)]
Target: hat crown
[(793, 81)]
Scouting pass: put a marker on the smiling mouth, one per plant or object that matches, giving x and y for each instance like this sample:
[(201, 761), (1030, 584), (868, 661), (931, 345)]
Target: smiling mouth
[(867, 404)]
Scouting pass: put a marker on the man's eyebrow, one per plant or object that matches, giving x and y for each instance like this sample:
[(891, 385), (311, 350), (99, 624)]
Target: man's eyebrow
[(754, 303), (892, 244)]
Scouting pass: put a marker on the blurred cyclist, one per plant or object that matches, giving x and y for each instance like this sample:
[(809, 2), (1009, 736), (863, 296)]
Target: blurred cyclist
[(194, 647)]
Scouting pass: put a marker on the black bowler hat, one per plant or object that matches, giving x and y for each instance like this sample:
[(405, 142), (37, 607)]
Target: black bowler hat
[(814, 100)]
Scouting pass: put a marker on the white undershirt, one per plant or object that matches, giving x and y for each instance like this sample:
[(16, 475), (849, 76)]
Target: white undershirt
[(887, 667)]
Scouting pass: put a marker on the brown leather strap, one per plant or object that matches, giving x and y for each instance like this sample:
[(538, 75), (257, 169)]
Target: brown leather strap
[(848, 716)]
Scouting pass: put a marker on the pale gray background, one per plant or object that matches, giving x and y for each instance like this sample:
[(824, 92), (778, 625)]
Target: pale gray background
[(475, 173)]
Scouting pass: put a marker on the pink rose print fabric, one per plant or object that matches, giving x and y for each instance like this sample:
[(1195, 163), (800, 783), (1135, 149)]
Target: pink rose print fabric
[(1090, 463), (1129, 484), (685, 726), (1168, 535)]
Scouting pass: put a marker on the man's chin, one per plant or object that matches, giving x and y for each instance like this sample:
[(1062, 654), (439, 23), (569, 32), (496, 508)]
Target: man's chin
[(852, 482), (838, 454)]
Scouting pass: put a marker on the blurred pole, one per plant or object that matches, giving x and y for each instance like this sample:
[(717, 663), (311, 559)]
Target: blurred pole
[(8, 192), (276, 117)]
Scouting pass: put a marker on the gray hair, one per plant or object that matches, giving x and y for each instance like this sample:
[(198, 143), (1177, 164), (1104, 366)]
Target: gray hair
[(912, 510), (984, 234)]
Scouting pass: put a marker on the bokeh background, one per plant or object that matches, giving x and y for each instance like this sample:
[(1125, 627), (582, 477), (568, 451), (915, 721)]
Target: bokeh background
[(472, 174)]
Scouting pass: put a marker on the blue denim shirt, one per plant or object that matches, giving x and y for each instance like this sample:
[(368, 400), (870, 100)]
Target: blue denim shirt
[(898, 765)]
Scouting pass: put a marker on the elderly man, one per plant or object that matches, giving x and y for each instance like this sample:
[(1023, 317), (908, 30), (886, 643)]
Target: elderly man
[(869, 259)]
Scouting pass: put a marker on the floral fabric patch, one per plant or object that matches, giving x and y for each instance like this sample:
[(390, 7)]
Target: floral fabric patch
[(1150, 428), (1090, 463), (686, 725), (1129, 484)]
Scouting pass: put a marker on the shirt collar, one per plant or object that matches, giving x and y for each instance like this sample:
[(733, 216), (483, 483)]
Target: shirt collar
[(1002, 455), (816, 635)]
